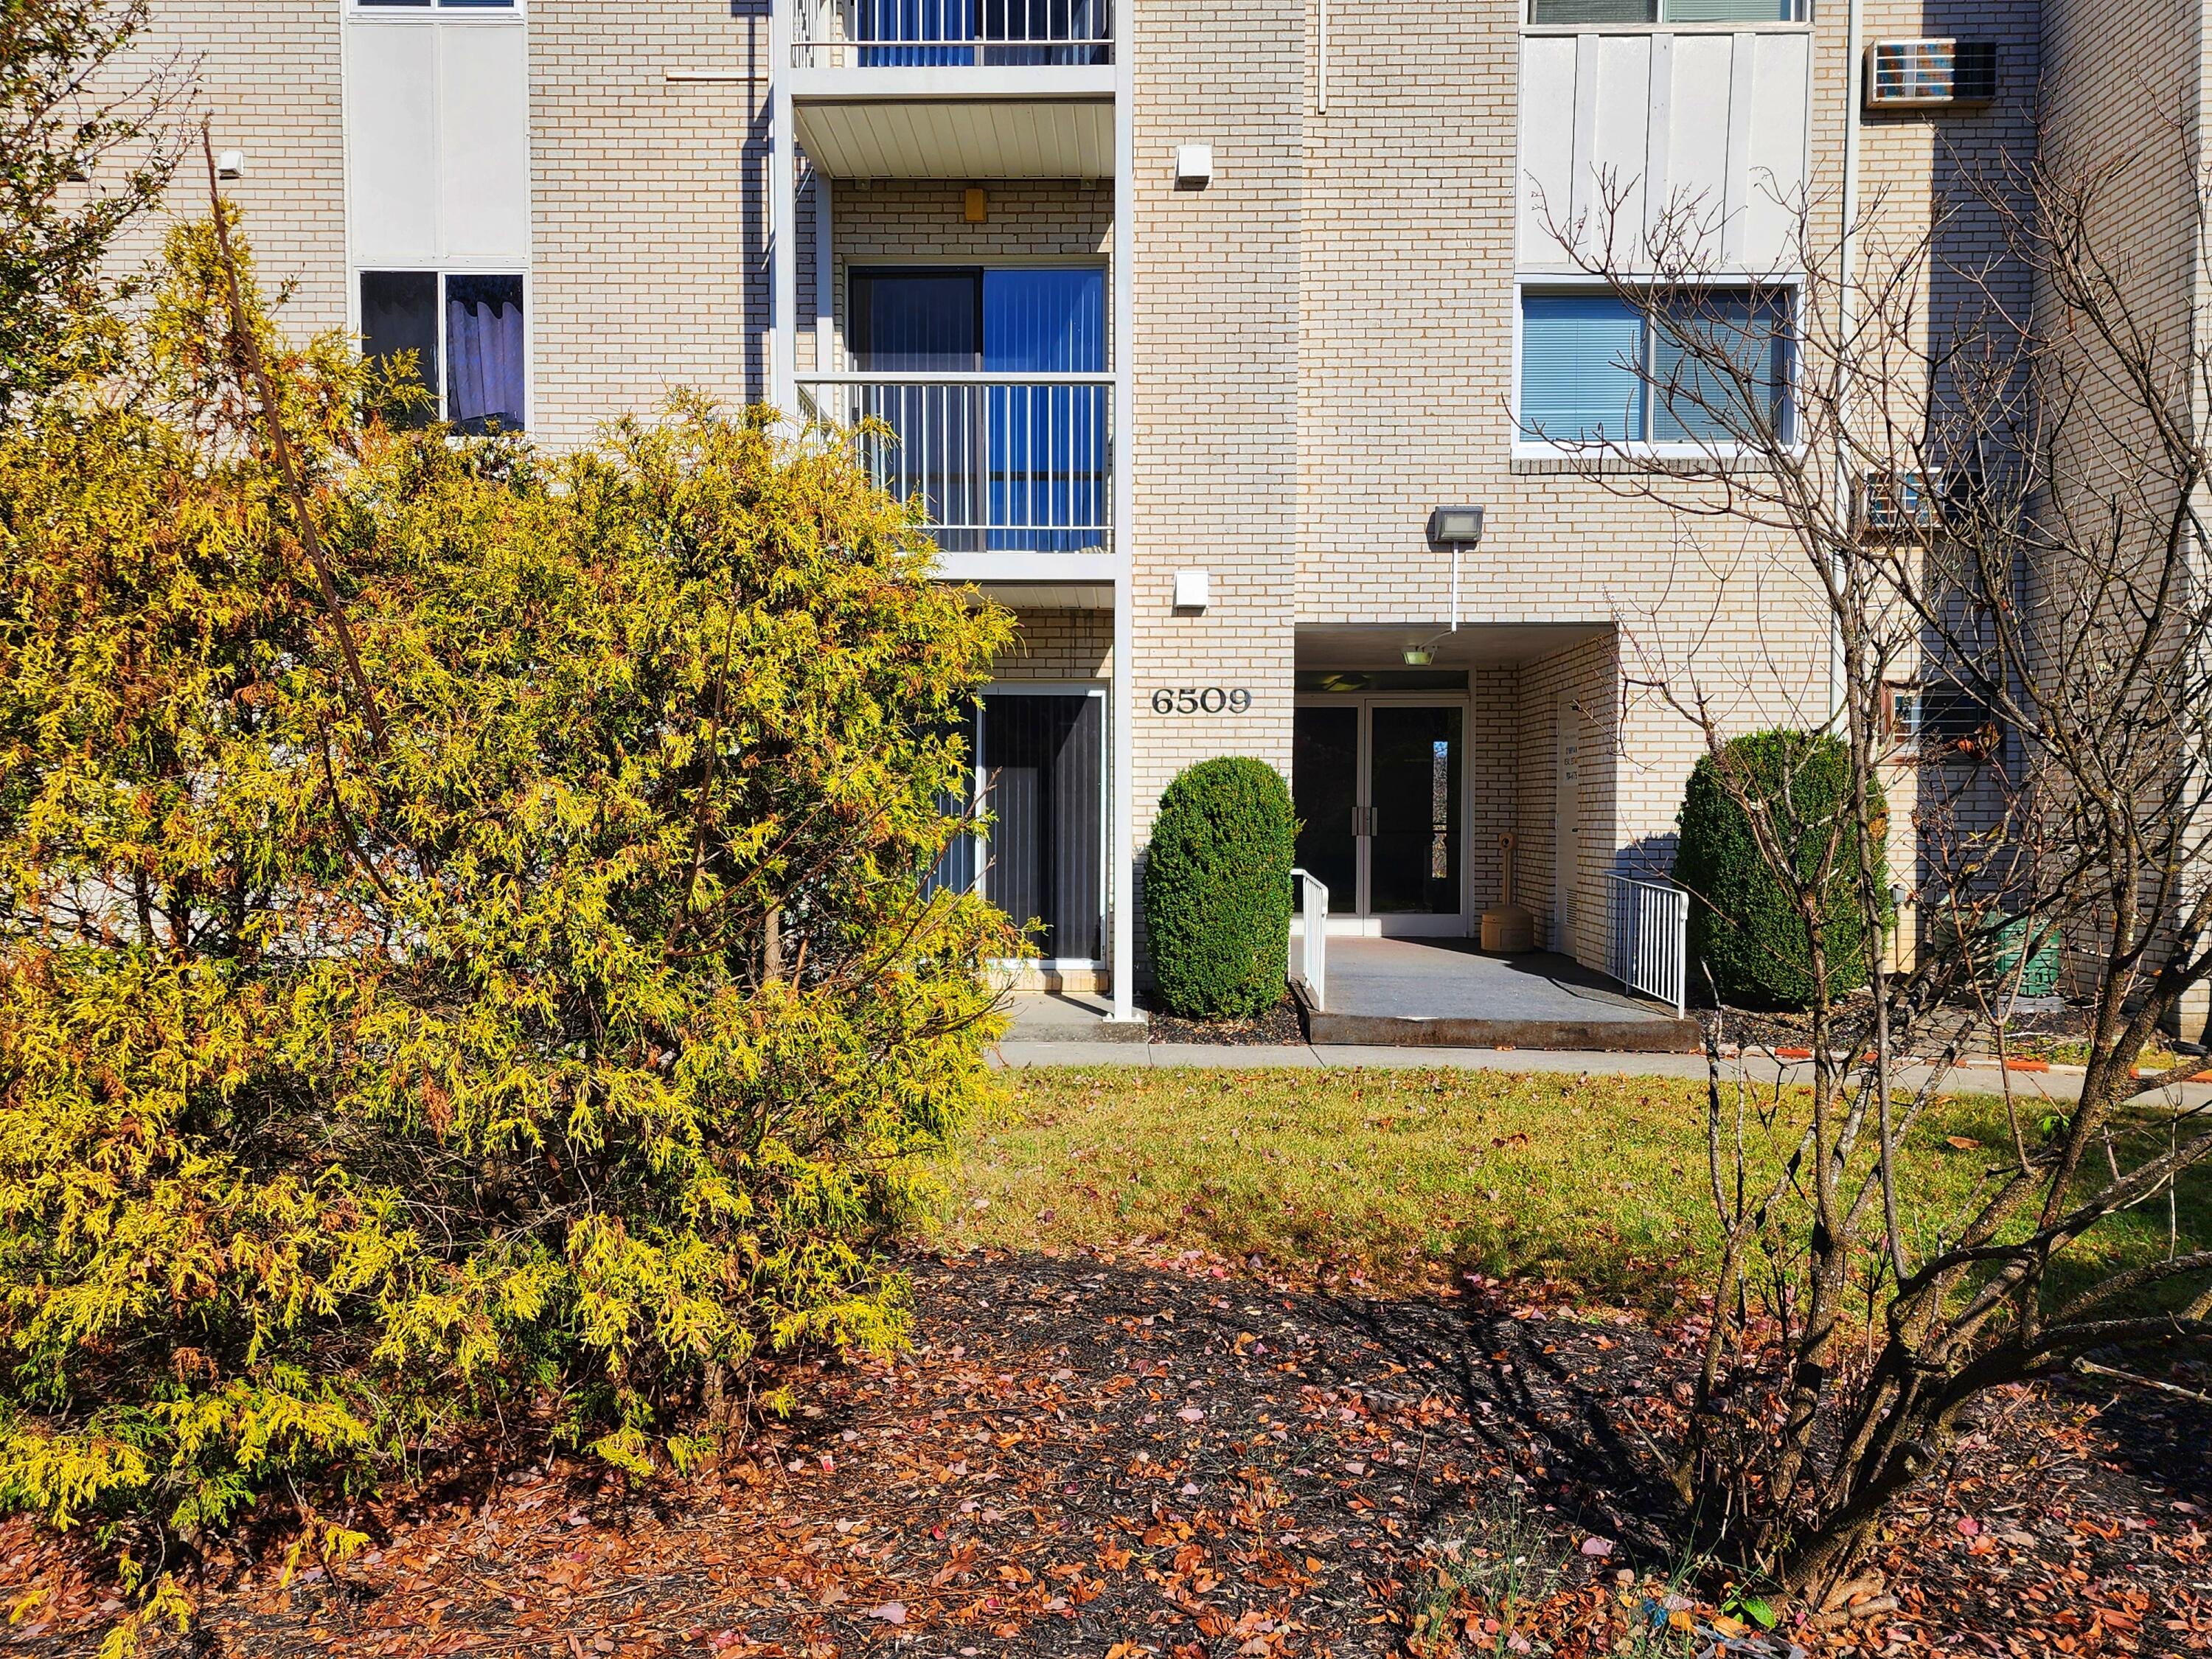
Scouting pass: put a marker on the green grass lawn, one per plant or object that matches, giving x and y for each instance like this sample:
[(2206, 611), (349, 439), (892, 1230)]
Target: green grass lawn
[(1402, 1177)]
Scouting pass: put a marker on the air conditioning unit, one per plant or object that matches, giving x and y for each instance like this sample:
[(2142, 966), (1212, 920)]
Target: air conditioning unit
[(1931, 74), (1896, 503)]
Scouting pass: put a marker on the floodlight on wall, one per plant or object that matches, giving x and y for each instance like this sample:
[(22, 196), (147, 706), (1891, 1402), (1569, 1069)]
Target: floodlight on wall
[(230, 164), (1194, 166), (1455, 527)]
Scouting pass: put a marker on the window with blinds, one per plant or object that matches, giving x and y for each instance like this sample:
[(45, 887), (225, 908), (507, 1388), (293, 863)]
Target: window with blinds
[(1707, 369)]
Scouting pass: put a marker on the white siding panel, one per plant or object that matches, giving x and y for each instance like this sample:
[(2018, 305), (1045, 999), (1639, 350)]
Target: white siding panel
[(392, 143), (1697, 147), (1621, 143), (1547, 144), (484, 145), (1709, 125), (1780, 95)]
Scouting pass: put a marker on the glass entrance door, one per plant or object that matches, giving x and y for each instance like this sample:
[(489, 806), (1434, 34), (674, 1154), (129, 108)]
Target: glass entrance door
[(1379, 788), (1413, 811), (1324, 794)]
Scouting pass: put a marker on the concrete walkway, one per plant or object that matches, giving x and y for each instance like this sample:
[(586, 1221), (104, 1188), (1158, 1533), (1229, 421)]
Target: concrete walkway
[(1445, 993), (2061, 1083)]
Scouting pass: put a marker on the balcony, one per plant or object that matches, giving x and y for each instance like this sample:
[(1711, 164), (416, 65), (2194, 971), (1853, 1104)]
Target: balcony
[(884, 35), (954, 88), (1015, 472)]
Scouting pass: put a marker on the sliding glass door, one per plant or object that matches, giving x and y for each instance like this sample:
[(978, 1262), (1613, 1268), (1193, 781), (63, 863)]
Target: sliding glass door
[(1006, 455), (1040, 777)]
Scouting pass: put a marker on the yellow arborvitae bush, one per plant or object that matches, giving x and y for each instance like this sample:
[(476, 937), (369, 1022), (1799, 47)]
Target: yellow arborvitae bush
[(551, 1008)]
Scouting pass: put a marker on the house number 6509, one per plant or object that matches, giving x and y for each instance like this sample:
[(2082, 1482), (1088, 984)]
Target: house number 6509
[(1201, 700)]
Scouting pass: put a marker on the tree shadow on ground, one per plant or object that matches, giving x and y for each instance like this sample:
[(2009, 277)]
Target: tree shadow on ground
[(1559, 1400)]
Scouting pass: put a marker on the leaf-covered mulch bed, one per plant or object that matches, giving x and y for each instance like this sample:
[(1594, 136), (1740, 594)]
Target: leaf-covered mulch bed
[(1279, 1025), (1088, 1456)]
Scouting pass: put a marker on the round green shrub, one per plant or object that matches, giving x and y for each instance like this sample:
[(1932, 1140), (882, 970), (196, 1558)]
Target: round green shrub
[(1745, 929), (1218, 889)]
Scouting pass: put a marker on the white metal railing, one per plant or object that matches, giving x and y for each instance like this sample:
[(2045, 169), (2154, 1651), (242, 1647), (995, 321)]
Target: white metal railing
[(1003, 463), (1651, 939), (1309, 957), (950, 34)]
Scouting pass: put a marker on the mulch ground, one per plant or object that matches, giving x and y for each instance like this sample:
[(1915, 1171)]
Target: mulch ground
[(1279, 1025), (1089, 1456)]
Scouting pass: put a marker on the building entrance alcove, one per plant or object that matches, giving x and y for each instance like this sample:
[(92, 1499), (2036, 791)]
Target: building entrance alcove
[(1416, 748)]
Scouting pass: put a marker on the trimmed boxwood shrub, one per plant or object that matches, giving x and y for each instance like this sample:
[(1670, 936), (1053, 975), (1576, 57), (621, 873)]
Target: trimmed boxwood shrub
[(1218, 889), (1744, 928)]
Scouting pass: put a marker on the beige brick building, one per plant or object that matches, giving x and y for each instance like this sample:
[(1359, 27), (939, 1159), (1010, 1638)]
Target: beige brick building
[(1188, 321)]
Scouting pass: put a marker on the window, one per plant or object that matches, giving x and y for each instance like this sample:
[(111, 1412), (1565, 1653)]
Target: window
[(1702, 369), (443, 5), (1943, 721), (1669, 11), (471, 351)]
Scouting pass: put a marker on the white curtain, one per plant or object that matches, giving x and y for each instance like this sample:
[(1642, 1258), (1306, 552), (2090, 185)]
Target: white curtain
[(484, 351)]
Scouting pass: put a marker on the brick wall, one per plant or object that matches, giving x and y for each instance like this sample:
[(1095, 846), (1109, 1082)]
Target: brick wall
[(1214, 452), (649, 206), (1059, 645), (268, 76)]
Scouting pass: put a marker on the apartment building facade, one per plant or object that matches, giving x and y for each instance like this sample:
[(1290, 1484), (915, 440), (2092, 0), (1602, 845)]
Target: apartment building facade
[(1201, 330)]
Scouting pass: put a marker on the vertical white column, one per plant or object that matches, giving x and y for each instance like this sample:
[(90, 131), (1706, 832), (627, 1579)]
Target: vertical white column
[(825, 279), (782, 218), (1124, 842)]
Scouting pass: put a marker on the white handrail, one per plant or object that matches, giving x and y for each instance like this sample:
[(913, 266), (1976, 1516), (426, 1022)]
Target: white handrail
[(933, 377), (919, 33), (1311, 963), (1651, 939)]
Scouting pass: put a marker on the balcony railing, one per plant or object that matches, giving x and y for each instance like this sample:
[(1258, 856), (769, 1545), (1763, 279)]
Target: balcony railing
[(1003, 463), (950, 34)]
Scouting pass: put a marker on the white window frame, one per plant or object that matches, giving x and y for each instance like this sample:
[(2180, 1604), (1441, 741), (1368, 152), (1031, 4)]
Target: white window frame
[(1525, 448), (1099, 690), (463, 268), (436, 12), (1800, 24)]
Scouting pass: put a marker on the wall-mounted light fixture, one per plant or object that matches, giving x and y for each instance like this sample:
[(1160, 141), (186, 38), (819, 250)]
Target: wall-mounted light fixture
[(1194, 166), (1455, 527), (974, 206), (230, 164), (1193, 590), (1418, 656)]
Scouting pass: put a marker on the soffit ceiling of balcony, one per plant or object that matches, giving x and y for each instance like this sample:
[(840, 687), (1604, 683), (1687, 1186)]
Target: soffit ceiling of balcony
[(1050, 596), (959, 138), (1475, 645)]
